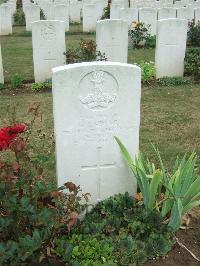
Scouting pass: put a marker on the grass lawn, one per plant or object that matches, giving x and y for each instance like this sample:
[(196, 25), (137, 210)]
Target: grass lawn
[(170, 116)]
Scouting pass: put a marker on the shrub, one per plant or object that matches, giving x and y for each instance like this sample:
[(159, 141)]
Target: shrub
[(37, 87), (173, 81), (42, 15), (139, 33), (173, 194), (106, 12), (118, 231), (148, 71), (150, 42), (33, 211), (192, 62), (86, 52), (16, 81), (193, 35), (19, 17)]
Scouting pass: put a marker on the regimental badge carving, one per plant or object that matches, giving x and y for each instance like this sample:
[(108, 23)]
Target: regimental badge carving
[(99, 89), (48, 32)]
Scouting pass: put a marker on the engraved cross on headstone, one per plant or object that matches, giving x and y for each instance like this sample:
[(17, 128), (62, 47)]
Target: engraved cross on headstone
[(99, 166)]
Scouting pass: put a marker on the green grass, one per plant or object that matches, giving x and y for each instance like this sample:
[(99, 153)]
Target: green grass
[(169, 115), (17, 51)]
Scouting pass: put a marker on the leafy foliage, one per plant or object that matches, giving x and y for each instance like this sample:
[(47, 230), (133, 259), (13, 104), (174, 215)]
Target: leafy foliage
[(148, 71), (173, 194), (37, 87), (173, 81), (106, 12), (192, 62), (19, 17), (33, 211), (118, 231), (150, 42), (193, 35), (139, 33), (86, 52), (16, 81)]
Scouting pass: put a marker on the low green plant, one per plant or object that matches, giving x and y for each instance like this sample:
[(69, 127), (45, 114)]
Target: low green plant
[(193, 35), (33, 211), (173, 81), (19, 17), (192, 63), (148, 71), (173, 194), (150, 42), (16, 81), (118, 231), (37, 87), (139, 33)]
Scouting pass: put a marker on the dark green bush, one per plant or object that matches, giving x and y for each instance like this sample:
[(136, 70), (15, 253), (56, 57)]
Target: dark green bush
[(86, 52), (106, 12), (193, 35), (151, 42), (192, 62), (118, 231), (19, 18)]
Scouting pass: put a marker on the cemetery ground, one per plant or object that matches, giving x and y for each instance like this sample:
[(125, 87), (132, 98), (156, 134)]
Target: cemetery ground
[(170, 119)]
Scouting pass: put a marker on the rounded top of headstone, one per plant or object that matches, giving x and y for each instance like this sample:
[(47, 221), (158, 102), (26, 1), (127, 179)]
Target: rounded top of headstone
[(93, 64)]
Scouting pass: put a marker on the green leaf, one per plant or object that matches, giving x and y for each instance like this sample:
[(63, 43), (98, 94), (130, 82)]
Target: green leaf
[(154, 189), (176, 215)]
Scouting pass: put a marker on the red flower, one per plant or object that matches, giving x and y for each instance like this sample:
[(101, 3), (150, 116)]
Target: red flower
[(8, 134)]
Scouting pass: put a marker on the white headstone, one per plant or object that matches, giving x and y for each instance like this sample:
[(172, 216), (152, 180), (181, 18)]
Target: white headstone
[(32, 14), (1, 69), (128, 14), (170, 47), (114, 11), (89, 18), (5, 20), (166, 12), (185, 13), (75, 12), (112, 39), (149, 17), (93, 102), (62, 13), (48, 38)]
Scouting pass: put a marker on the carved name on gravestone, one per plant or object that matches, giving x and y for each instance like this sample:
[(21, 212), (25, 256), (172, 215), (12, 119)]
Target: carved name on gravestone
[(48, 38), (170, 47), (112, 39), (93, 102)]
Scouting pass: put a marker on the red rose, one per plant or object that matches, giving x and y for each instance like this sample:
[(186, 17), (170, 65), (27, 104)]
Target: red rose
[(8, 134)]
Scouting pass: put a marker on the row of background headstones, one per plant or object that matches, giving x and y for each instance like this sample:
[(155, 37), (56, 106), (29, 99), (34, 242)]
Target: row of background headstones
[(48, 38), (91, 14)]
